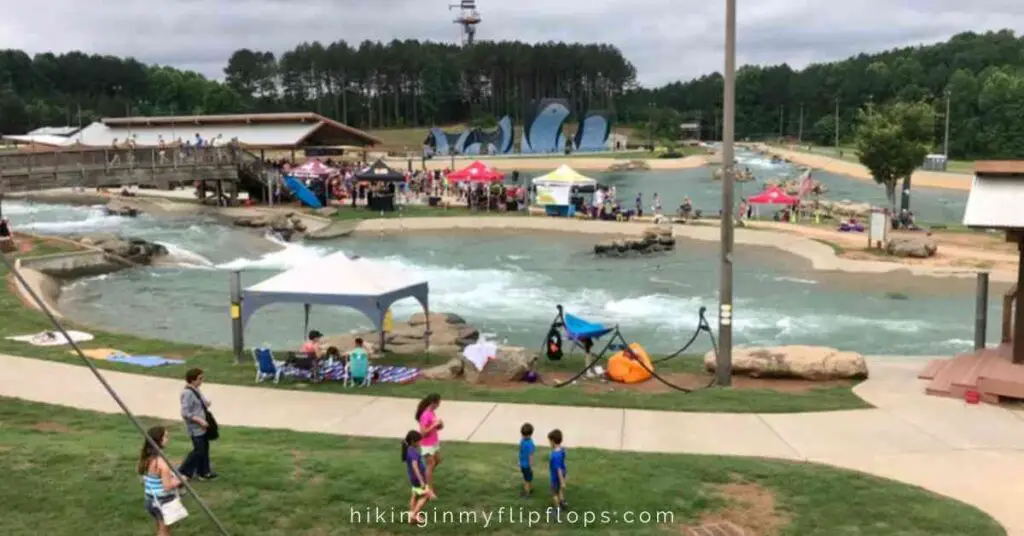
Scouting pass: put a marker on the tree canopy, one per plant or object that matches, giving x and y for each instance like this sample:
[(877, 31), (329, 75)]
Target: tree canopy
[(984, 74), (893, 140), (422, 83)]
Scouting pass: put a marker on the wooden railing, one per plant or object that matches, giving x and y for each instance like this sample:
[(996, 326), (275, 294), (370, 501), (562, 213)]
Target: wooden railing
[(76, 159), (1009, 302)]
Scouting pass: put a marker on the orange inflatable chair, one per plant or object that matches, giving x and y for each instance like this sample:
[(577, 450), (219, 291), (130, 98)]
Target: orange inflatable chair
[(625, 366)]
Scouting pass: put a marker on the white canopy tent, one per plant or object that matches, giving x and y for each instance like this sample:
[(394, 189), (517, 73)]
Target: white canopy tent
[(339, 281)]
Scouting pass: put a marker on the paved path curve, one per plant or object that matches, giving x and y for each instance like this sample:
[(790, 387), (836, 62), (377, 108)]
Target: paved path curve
[(970, 453)]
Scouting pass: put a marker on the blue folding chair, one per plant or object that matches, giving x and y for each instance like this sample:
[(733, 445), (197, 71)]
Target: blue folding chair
[(266, 366)]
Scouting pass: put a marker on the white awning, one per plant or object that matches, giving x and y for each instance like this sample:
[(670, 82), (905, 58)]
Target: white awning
[(340, 281), (995, 202)]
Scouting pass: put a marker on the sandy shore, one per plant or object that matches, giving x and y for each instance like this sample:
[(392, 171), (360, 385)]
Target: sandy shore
[(929, 179), (548, 163)]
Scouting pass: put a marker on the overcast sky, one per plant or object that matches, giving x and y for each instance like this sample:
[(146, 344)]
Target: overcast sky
[(665, 44)]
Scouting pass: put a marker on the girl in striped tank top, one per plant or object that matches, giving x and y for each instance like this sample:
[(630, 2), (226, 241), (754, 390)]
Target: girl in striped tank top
[(158, 481)]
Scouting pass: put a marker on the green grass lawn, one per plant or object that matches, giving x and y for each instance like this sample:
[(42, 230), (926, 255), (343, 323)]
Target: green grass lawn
[(67, 469), (219, 364)]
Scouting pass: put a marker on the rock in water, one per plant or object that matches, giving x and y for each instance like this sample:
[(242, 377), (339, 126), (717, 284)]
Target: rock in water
[(918, 248), (135, 250), (654, 239), (120, 207), (801, 362)]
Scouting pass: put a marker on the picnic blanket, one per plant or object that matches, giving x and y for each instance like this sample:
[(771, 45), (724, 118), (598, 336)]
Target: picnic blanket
[(336, 372), (97, 353), (52, 338), (147, 361)]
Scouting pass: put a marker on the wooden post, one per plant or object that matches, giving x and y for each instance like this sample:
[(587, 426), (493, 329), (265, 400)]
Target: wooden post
[(981, 311), (1018, 311), (237, 339)]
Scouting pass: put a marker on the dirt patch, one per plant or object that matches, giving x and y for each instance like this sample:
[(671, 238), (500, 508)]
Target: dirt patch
[(50, 427), (750, 506), (685, 380), (297, 458)]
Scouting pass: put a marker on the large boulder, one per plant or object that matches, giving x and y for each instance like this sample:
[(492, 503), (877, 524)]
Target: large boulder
[(449, 334), (509, 365), (915, 247), (654, 239), (451, 370), (801, 362), (135, 250)]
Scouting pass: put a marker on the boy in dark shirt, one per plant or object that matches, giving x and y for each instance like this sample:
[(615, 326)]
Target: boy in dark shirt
[(526, 449), (556, 466)]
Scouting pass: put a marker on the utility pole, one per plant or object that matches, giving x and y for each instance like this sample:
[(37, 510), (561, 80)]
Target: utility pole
[(723, 361), (945, 142), (837, 122), (800, 132), (782, 120)]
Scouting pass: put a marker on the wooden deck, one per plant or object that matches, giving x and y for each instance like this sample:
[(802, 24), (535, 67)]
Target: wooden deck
[(94, 168), (990, 372)]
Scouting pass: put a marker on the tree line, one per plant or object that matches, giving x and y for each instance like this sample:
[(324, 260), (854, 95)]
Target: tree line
[(420, 83), (983, 75)]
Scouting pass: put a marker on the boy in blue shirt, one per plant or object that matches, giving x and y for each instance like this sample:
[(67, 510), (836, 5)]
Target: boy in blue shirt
[(526, 449), (556, 465)]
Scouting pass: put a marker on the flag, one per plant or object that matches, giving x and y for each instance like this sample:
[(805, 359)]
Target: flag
[(806, 185)]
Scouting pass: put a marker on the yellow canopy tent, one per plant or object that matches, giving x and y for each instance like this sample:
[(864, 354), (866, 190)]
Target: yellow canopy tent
[(564, 176)]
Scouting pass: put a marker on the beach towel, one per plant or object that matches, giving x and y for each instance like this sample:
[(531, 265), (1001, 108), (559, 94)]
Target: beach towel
[(52, 338), (480, 353), (97, 353), (147, 361)]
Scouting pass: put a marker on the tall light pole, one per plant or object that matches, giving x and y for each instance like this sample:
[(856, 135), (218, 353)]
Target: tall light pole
[(782, 121), (837, 122), (800, 132), (723, 364), (945, 142)]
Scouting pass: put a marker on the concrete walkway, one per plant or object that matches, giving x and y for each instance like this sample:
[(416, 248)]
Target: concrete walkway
[(970, 453)]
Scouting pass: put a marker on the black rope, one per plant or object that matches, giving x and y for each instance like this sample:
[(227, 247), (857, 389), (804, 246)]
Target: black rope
[(702, 325), (113, 394)]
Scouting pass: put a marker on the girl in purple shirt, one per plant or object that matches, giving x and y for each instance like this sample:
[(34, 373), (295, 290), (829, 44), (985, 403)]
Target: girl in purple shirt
[(416, 470)]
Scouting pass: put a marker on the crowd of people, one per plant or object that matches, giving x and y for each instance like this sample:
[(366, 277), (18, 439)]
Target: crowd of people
[(421, 455), (342, 185)]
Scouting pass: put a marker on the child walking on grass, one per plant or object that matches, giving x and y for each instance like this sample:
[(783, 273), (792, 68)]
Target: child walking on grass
[(526, 449), (416, 468), (556, 466), (430, 424)]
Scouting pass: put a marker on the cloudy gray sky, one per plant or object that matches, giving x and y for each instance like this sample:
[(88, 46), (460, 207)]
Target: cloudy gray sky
[(665, 44)]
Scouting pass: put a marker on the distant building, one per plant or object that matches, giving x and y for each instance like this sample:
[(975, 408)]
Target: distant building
[(253, 131), (617, 142)]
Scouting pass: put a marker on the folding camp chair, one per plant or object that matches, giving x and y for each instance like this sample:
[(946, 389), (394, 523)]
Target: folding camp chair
[(266, 366), (358, 366)]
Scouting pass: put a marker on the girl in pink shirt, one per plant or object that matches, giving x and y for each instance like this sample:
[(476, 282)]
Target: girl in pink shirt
[(430, 424)]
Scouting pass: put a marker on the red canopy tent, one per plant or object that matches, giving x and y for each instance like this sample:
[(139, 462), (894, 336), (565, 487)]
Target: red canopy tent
[(313, 168), (476, 172), (773, 196)]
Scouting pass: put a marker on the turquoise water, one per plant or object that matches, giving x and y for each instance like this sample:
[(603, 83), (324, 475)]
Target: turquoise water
[(509, 284), (930, 205)]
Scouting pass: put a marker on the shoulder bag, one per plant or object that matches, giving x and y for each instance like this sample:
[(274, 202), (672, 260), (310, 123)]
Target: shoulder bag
[(212, 428)]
